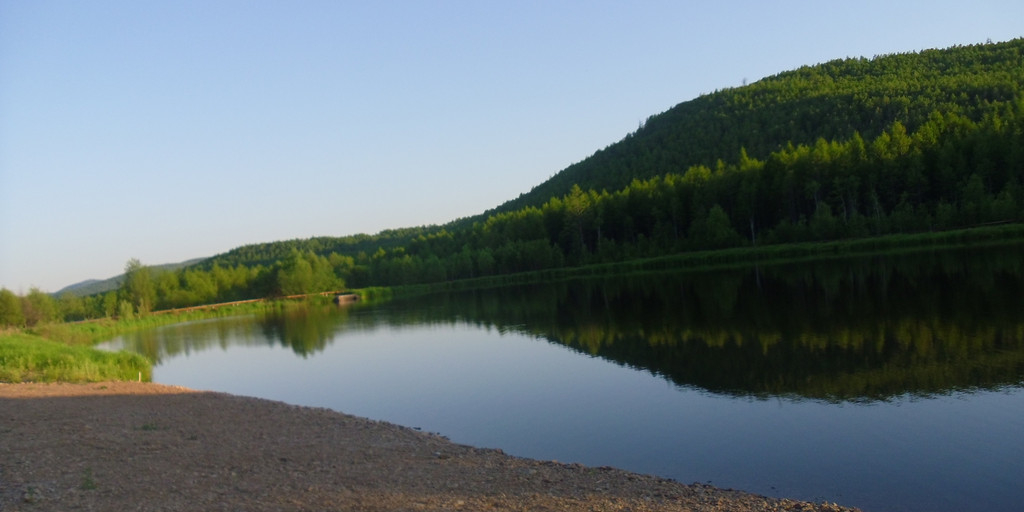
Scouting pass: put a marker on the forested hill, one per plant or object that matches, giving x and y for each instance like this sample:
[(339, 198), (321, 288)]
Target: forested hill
[(832, 101), (835, 101), (853, 148)]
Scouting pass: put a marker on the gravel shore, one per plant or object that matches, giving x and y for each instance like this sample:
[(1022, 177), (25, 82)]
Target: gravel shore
[(149, 447)]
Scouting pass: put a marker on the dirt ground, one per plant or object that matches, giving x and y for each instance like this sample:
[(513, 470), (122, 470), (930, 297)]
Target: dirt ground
[(147, 447)]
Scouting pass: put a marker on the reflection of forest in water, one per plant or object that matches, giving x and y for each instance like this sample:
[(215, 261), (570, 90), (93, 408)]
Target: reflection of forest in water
[(854, 329), (305, 328)]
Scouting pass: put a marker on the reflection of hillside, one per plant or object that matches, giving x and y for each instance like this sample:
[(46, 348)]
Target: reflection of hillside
[(859, 329), (189, 337), (306, 329), (838, 366)]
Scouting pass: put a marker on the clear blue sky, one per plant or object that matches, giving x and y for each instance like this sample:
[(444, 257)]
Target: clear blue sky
[(170, 130)]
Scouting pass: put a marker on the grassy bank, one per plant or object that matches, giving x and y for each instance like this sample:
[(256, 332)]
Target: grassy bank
[(31, 358), (62, 352)]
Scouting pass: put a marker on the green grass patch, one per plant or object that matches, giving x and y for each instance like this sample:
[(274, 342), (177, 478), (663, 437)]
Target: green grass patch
[(88, 482), (31, 358)]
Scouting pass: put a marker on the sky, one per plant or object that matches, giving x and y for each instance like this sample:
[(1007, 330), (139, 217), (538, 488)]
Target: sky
[(173, 130)]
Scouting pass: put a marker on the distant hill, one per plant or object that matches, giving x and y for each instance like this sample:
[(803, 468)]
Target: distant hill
[(268, 253), (91, 286), (94, 286)]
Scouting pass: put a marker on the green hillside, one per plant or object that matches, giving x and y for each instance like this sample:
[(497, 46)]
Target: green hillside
[(833, 101)]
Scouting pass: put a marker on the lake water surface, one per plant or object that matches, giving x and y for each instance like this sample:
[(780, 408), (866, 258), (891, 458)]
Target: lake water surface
[(888, 383)]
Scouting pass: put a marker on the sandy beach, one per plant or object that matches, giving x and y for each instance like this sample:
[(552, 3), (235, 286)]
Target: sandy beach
[(149, 447)]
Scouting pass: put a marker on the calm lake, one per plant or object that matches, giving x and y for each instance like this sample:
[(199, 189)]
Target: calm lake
[(888, 383)]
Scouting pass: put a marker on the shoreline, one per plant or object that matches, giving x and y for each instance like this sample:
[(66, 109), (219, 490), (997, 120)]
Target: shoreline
[(145, 446)]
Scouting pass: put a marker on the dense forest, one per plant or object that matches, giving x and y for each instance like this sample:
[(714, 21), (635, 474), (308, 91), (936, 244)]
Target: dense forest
[(851, 148)]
